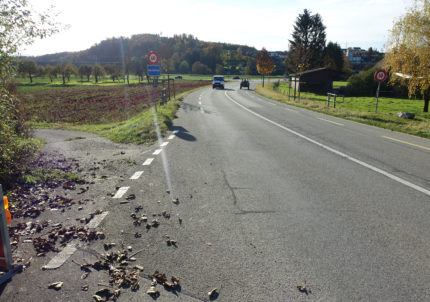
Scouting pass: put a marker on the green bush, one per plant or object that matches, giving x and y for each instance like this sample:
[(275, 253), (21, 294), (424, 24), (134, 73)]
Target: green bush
[(362, 84), (16, 149)]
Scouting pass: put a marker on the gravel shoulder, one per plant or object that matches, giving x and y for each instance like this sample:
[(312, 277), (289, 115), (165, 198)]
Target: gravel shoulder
[(64, 207)]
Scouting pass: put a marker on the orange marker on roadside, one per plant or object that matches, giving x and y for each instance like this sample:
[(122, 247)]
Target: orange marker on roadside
[(6, 208)]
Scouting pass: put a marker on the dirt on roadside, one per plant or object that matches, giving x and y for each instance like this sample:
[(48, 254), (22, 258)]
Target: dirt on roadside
[(86, 170)]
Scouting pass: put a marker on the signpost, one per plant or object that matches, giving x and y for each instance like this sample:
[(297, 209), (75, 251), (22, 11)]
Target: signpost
[(154, 70), (152, 58), (380, 76)]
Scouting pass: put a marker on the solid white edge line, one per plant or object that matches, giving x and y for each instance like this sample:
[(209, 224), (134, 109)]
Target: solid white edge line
[(156, 152), (121, 191), (136, 175), (164, 144), (387, 174)]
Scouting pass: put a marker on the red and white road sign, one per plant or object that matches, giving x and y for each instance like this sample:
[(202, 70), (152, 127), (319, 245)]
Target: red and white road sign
[(153, 58), (381, 75)]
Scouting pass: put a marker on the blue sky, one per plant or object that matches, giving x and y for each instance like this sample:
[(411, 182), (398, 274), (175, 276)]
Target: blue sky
[(268, 23)]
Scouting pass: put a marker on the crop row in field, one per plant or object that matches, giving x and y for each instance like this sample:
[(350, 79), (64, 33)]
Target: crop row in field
[(92, 104)]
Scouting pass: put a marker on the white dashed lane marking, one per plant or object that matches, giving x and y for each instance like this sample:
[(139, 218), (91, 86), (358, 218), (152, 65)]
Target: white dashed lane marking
[(68, 251), (158, 151), (136, 175), (121, 191), (65, 254), (328, 121), (96, 220), (61, 257), (147, 162)]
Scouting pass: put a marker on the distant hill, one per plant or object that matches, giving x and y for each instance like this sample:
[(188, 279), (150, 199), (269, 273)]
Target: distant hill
[(179, 54)]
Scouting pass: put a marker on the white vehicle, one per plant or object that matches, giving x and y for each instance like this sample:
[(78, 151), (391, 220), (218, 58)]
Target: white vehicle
[(218, 82)]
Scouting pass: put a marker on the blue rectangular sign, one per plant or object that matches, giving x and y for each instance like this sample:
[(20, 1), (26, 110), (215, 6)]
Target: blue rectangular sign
[(154, 70)]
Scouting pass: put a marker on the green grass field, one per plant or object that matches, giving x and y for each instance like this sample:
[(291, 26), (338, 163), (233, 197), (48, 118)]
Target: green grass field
[(363, 104), (360, 109), (45, 83)]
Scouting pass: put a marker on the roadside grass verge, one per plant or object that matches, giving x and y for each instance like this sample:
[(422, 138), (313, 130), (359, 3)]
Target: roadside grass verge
[(47, 176), (140, 129), (360, 109)]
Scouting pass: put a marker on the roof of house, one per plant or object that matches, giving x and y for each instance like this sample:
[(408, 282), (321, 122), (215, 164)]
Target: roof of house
[(309, 71)]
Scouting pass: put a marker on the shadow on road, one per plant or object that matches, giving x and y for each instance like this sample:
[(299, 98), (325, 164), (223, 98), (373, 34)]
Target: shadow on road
[(183, 133), (223, 89)]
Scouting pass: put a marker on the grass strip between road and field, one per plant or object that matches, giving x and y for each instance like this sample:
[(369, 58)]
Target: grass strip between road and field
[(140, 129), (361, 110)]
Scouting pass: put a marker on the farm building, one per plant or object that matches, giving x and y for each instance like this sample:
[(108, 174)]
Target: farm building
[(318, 80)]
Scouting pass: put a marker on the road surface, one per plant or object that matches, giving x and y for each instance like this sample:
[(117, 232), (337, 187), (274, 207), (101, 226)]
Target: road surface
[(290, 197), (270, 197)]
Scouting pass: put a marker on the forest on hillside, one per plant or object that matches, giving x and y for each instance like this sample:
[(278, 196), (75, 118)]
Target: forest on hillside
[(178, 54)]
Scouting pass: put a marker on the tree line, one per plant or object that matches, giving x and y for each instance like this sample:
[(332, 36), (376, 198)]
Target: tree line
[(30, 69), (178, 54), (186, 54)]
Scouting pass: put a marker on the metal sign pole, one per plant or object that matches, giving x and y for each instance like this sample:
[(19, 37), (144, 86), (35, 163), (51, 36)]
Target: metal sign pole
[(380, 76), (168, 84), (377, 96)]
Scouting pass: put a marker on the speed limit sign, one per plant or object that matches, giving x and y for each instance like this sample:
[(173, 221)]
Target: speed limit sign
[(380, 75), (153, 58)]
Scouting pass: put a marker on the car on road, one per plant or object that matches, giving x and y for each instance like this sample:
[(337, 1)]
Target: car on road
[(178, 78), (218, 82), (236, 78), (244, 83)]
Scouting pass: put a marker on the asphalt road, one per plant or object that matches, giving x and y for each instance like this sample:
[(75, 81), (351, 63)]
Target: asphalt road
[(270, 197), (290, 197)]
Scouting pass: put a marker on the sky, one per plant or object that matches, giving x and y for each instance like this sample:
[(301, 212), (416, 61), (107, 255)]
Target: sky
[(268, 23)]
